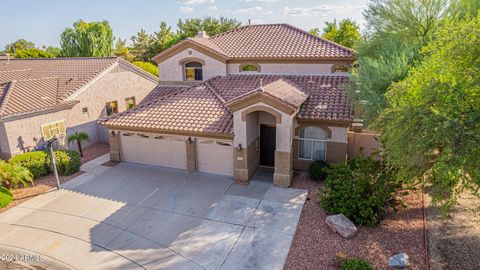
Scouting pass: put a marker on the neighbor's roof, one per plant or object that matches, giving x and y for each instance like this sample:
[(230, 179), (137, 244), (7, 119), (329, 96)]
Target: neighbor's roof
[(203, 108), (28, 85), (270, 41)]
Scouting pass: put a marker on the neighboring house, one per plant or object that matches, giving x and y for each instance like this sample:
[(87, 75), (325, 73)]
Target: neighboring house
[(41, 97), (265, 95)]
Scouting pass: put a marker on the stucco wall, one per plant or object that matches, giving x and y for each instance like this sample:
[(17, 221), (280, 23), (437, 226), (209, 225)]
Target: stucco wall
[(285, 69), (116, 85), (171, 70), (4, 147)]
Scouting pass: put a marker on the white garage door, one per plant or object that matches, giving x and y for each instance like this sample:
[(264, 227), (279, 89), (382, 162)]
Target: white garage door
[(214, 157), (154, 150)]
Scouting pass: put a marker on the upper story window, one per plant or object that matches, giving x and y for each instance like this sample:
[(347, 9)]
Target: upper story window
[(340, 68), (130, 102), (193, 71), (312, 143), (111, 107), (250, 67)]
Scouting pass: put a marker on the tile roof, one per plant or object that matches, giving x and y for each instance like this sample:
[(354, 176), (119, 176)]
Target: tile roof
[(42, 83), (271, 41), (202, 108), (163, 90)]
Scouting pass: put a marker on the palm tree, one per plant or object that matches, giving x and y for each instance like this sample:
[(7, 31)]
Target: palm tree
[(11, 175), (79, 137)]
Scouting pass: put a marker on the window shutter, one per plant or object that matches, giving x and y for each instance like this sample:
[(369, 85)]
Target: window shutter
[(61, 128), (46, 132)]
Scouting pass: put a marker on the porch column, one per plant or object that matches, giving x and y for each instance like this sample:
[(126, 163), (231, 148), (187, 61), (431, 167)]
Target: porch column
[(283, 153), (240, 155)]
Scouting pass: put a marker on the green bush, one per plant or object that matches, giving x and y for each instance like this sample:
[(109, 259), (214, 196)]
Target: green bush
[(317, 170), (147, 66), (361, 189), (356, 264), (5, 197), (36, 162), (67, 161)]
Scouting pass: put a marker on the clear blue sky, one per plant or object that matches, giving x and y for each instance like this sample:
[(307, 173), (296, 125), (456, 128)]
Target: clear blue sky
[(42, 21)]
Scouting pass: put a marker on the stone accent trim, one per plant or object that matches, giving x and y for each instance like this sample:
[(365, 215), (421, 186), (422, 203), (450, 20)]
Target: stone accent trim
[(190, 146), (283, 169)]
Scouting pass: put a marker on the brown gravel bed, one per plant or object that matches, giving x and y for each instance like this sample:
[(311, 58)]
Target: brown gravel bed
[(48, 182), (454, 240), (315, 245)]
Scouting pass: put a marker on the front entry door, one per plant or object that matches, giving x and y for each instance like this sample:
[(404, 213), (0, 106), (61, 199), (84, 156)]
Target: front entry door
[(267, 145)]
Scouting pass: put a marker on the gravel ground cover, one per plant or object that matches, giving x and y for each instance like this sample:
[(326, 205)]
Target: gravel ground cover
[(315, 245), (454, 241), (48, 182)]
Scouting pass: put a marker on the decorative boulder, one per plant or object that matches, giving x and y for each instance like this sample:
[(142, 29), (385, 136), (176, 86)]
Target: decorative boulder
[(399, 260), (341, 224)]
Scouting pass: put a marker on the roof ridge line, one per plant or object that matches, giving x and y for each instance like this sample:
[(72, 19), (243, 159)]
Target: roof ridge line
[(214, 90), (6, 96)]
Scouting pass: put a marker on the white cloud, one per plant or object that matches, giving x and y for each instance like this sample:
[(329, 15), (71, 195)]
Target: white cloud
[(269, 12), (186, 9), (320, 10), (261, 1), (213, 7), (196, 2), (246, 10)]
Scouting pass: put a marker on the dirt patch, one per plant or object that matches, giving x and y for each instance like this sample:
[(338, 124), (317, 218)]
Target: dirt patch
[(454, 241), (48, 182), (315, 245)]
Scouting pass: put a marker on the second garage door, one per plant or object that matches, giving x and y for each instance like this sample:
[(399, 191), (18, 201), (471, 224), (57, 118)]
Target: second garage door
[(214, 157), (154, 150)]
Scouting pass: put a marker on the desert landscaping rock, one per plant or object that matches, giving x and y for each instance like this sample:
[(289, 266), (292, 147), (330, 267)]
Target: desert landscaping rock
[(341, 224), (399, 261)]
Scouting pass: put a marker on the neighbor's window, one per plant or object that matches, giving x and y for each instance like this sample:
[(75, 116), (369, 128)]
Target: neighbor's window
[(250, 68), (112, 107), (312, 143), (85, 110), (130, 102), (193, 71), (51, 130), (341, 68)]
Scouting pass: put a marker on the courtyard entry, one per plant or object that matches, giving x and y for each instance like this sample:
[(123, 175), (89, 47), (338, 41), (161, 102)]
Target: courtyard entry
[(268, 140)]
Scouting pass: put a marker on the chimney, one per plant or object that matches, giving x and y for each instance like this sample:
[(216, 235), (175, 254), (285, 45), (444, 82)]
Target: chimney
[(249, 22), (202, 34)]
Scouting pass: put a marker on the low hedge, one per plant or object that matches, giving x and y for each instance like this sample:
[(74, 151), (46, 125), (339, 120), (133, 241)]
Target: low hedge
[(6, 197), (317, 170), (36, 162), (67, 161), (355, 264)]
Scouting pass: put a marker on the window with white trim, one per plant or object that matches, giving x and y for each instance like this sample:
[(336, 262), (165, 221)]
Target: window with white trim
[(312, 144), (53, 129)]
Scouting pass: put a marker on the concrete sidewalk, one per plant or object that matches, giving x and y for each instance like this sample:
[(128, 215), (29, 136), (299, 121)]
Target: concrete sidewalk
[(141, 217)]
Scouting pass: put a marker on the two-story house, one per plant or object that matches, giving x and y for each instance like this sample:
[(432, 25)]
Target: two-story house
[(260, 95)]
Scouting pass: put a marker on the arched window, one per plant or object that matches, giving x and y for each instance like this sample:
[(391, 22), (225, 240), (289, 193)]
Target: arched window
[(193, 71), (340, 68), (250, 67), (312, 144)]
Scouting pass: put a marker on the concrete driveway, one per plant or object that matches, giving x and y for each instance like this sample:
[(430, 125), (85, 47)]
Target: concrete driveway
[(140, 217)]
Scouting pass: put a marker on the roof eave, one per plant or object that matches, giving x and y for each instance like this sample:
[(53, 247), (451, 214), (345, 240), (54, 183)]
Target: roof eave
[(55, 108), (188, 43)]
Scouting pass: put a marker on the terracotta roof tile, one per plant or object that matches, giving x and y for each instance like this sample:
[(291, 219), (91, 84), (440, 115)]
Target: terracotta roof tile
[(202, 108)]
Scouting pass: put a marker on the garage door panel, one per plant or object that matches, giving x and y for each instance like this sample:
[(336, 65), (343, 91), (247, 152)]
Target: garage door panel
[(166, 152), (213, 157)]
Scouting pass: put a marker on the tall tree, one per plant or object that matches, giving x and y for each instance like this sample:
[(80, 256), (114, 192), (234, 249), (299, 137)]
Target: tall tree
[(213, 26), (142, 43), (346, 33), (32, 53), (161, 39), (20, 44), (431, 127), (54, 51), (122, 50), (87, 39)]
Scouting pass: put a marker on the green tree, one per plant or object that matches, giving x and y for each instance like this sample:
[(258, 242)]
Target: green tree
[(87, 39), (122, 50), (54, 51), (346, 33), (431, 127), (161, 39), (32, 53), (212, 26), (314, 31), (147, 66), (142, 43), (78, 137), (12, 175), (20, 44)]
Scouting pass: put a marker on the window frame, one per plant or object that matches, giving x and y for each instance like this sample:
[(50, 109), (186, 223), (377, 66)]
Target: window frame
[(132, 98), (58, 127), (257, 68), (324, 141), (108, 104), (195, 69)]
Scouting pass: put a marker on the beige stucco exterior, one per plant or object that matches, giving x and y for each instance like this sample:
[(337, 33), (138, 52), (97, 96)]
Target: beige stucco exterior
[(118, 84), (172, 68), (285, 68)]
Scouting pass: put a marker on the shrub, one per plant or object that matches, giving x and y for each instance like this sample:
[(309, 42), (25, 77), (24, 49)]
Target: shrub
[(12, 175), (5, 197), (67, 161), (361, 189), (36, 162), (147, 66), (356, 264), (317, 170)]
